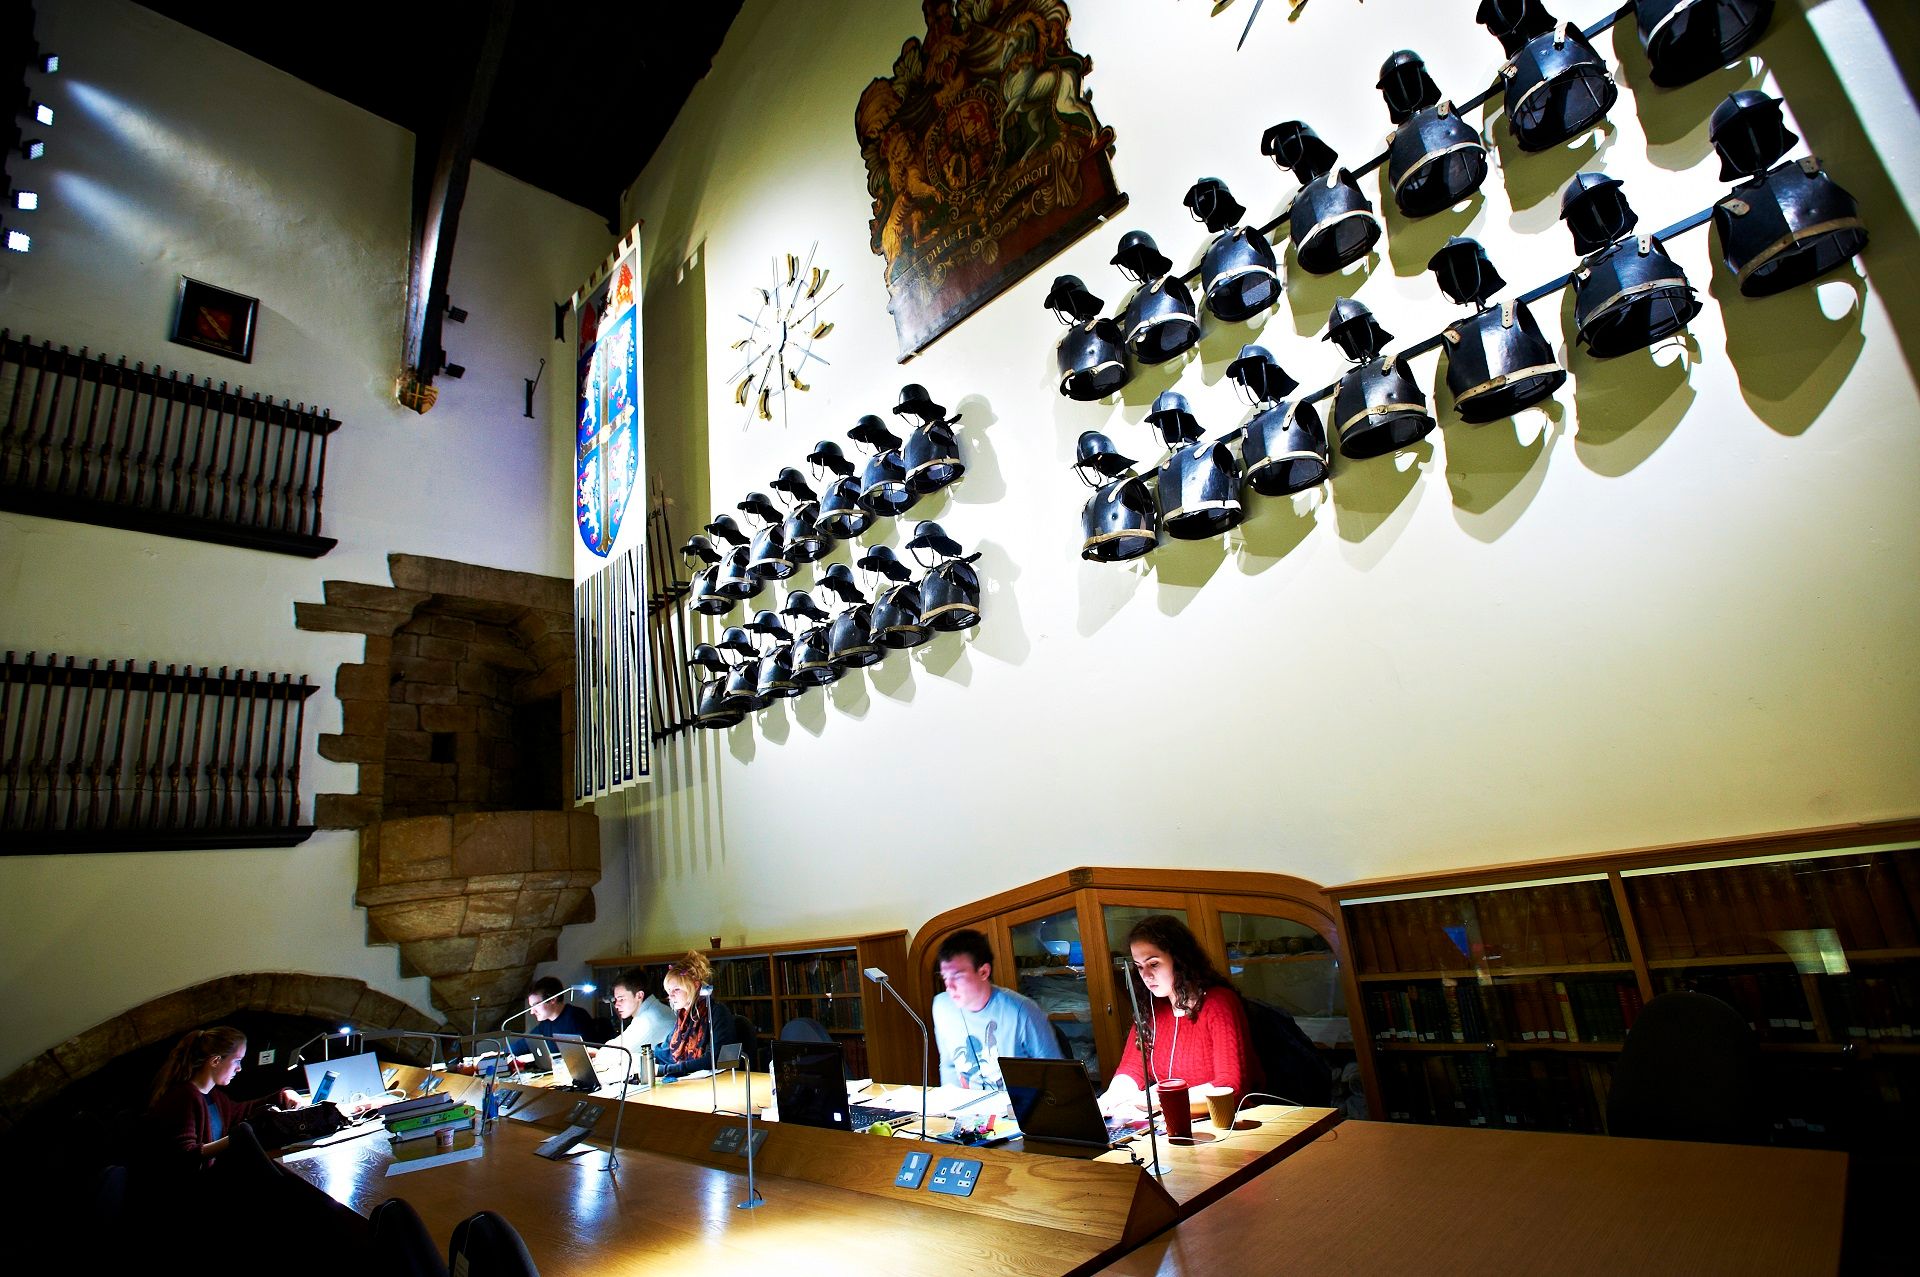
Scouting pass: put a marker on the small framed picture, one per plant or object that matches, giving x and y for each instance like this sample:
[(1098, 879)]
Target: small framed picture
[(215, 320)]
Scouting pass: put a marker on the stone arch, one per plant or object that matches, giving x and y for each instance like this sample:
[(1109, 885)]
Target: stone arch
[(333, 999)]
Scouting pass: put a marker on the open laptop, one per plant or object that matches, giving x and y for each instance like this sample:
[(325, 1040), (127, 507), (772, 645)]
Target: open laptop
[(571, 1051), (810, 1088), (353, 1075), (1054, 1104)]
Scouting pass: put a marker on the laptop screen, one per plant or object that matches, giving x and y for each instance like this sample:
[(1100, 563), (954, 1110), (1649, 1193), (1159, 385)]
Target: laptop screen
[(810, 1084), (1054, 1100), (354, 1075)]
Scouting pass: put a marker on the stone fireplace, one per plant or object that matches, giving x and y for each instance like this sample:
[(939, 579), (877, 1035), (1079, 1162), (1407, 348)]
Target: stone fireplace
[(460, 719)]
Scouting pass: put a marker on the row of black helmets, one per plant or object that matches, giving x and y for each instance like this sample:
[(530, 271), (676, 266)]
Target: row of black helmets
[(1780, 226), (781, 653)]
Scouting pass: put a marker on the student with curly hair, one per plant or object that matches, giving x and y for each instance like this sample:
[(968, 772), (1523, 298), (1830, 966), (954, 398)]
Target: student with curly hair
[(1199, 1035), (687, 1047)]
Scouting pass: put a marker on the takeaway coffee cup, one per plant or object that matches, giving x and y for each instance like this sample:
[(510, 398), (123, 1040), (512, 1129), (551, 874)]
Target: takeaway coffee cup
[(1220, 1102), (1172, 1097)]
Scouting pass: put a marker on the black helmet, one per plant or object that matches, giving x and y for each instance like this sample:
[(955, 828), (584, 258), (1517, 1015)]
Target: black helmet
[(950, 596), (1352, 327), (827, 454), (1212, 204), (760, 506), (873, 432), (727, 530), (701, 548), (1748, 133), (1092, 358), (706, 656), (736, 639), (1174, 418), (1406, 86), (794, 484), (1466, 275), (1294, 145), (1685, 39), (1595, 209), (1070, 301), (880, 558), (928, 535), (1260, 379), (1095, 454), (800, 603), (767, 621), (1140, 257), (839, 578), (1514, 22), (914, 401)]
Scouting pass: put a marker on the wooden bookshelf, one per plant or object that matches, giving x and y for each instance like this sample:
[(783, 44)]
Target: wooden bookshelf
[(811, 979), (1500, 996)]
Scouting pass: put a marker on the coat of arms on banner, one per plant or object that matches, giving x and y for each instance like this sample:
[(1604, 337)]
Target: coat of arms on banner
[(984, 158), (608, 439)]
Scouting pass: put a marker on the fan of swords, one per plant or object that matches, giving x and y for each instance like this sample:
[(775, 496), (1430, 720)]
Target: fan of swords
[(781, 336)]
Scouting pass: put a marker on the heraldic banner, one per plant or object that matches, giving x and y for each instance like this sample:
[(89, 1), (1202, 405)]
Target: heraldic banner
[(984, 159), (609, 639)]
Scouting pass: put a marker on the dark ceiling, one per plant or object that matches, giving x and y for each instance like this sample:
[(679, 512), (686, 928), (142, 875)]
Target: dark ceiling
[(568, 65)]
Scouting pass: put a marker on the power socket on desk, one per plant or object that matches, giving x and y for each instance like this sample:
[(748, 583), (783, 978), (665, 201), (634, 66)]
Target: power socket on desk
[(733, 1140)]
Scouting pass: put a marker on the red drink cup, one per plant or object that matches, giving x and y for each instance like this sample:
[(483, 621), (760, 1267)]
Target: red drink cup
[(1172, 1097)]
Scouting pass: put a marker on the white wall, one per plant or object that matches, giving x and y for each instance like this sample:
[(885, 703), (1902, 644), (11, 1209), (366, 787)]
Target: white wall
[(237, 174), (1678, 603)]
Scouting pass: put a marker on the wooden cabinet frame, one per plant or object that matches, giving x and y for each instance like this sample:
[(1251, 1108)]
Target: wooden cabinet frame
[(1202, 894)]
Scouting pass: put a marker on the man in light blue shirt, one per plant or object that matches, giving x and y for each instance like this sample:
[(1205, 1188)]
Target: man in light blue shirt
[(975, 1021)]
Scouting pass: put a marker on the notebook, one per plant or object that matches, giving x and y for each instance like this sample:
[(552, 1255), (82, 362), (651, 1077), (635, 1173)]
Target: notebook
[(810, 1088), (1054, 1104), (353, 1075)]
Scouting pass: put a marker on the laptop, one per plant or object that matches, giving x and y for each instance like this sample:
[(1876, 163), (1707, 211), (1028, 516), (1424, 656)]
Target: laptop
[(353, 1075), (573, 1057), (810, 1088), (1054, 1103)]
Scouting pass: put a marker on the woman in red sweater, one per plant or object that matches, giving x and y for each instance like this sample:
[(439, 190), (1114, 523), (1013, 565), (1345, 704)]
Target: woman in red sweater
[(1199, 1032)]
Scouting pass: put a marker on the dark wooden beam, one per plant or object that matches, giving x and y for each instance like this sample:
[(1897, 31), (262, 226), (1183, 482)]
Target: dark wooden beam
[(440, 169)]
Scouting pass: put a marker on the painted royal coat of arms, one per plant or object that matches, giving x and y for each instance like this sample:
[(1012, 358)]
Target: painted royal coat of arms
[(984, 158), (607, 451)]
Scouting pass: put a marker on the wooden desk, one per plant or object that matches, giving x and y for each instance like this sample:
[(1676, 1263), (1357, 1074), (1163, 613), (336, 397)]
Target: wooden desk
[(1384, 1197), (831, 1206), (1196, 1175)]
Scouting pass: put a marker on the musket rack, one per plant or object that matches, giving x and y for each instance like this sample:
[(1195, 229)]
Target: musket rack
[(609, 702), (90, 440), (119, 758)]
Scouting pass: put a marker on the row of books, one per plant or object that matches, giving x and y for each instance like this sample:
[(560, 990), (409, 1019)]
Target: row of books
[(834, 1013), (1871, 901), (1549, 1093), (1536, 1010), (819, 975), (742, 978), (1565, 924), (1773, 1001), (1871, 1008)]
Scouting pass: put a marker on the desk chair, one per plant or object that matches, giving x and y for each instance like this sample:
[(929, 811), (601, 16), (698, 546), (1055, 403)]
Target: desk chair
[(1690, 1070), (402, 1246), (802, 1029), (485, 1245)]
